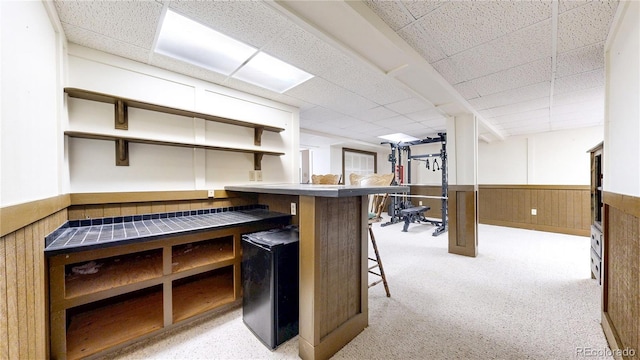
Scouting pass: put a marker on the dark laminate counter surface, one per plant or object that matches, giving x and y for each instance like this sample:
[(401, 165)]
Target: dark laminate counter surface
[(81, 235), (317, 190)]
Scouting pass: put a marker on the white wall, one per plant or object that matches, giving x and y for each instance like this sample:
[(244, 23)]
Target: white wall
[(622, 118), (156, 168), (30, 139), (551, 158)]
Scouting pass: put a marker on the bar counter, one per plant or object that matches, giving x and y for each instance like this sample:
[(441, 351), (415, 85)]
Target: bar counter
[(332, 222)]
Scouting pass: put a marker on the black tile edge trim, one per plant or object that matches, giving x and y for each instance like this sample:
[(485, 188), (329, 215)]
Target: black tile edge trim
[(129, 218)]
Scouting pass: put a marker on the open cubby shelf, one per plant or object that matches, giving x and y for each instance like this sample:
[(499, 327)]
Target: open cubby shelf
[(98, 326), (110, 273), (192, 255), (200, 293)]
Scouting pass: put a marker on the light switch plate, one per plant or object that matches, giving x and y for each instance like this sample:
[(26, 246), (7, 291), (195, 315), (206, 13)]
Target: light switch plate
[(258, 175), (534, 211), (211, 193)]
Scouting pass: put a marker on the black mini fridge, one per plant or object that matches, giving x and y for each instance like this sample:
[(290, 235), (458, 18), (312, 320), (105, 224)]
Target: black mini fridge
[(270, 284)]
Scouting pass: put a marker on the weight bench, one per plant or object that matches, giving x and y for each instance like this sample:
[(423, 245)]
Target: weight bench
[(412, 214)]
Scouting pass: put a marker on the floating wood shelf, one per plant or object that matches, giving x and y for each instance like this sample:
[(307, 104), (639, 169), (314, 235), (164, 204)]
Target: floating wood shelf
[(122, 146), (125, 103), (121, 122)]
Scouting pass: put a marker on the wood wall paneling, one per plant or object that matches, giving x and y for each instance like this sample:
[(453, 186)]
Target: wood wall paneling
[(621, 298), (435, 204), (463, 220), (560, 208), (23, 296)]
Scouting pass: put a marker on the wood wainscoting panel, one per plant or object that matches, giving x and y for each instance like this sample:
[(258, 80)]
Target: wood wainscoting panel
[(463, 220), (333, 270), (23, 296), (563, 209), (434, 204), (621, 266)]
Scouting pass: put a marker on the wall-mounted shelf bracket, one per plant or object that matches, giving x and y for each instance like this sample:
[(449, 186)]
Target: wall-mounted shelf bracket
[(257, 161), (257, 138), (122, 152), (122, 118)]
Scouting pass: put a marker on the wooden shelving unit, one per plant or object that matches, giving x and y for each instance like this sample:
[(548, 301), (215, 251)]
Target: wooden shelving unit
[(94, 330), (198, 294), (141, 289), (121, 122), (193, 255), (112, 273)]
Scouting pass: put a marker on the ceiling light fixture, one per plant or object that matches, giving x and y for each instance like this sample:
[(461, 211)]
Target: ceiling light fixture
[(187, 40), (398, 137)]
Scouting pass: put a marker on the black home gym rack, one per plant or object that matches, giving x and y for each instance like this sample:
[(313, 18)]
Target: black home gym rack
[(397, 205)]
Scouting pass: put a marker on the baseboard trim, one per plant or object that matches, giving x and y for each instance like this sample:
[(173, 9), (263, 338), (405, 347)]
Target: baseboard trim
[(553, 229)]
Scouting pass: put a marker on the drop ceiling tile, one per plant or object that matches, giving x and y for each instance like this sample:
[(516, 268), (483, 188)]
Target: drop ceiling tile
[(514, 49), (132, 22), (376, 113), (582, 81), (467, 90), (383, 91), (595, 94), (419, 9), (390, 12), (110, 45), (581, 123), (504, 120), (566, 5), (295, 46), (394, 121), (515, 77), (409, 106), (350, 123), (588, 107), (450, 71), (524, 106), (585, 25), (424, 44), (426, 115), (461, 25), (322, 92), (251, 22), (410, 128), (509, 97), (584, 59), (435, 123), (319, 114)]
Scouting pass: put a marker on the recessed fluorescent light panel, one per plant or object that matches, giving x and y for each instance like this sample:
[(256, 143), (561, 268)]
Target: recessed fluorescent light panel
[(187, 40), (271, 73), (398, 137)]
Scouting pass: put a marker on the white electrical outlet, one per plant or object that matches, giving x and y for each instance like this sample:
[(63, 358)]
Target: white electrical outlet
[(420, 203), (534, 211), (293, 208), (211, 193), (252, 175), (258, 175)]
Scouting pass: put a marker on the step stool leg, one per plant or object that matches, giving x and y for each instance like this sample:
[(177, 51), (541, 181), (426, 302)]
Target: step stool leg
[(375, 249)]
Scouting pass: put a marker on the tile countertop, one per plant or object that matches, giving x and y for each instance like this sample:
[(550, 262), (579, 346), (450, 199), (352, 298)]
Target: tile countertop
[(81, 235), (317, 190)]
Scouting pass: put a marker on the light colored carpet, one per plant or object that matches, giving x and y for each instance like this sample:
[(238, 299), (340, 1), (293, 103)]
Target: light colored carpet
[(528, 295)]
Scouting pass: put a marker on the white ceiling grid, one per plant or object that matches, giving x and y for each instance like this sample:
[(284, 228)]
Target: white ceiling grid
[(498, 55)]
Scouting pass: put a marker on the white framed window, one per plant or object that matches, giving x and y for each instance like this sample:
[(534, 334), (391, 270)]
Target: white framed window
[(358, 162)]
